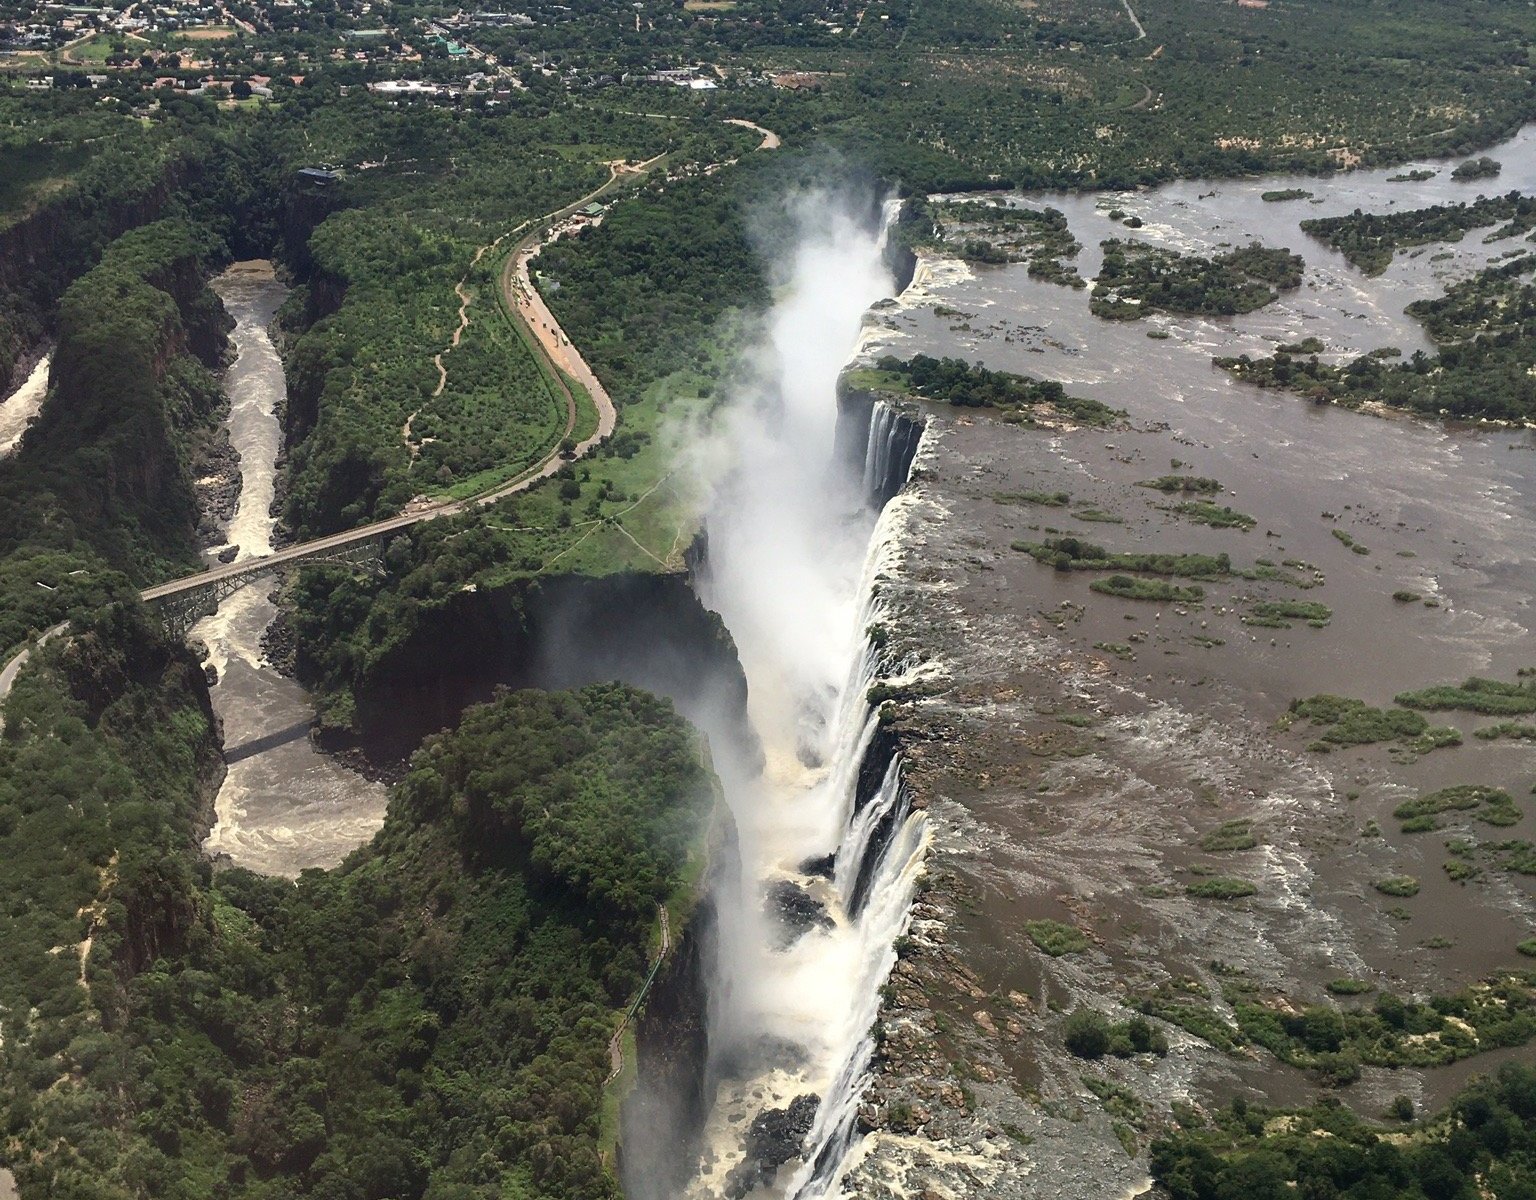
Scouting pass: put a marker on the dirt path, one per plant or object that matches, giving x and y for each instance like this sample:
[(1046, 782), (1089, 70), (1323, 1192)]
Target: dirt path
[(616, 172), (616, 1042), (770, 139), (1140, 32)]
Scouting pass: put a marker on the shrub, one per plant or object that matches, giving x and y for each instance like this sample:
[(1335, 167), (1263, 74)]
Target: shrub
[(1231, 835), (1056, 938), (1127, 588), (1337, 1069), (1397, 885), (1087, 1034), (1221, 887)]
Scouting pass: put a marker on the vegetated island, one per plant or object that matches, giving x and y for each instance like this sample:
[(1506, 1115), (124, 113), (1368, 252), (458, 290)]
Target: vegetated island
[(1137, 278), (970, 385), (1369, 240), (993, 232), (1280, 195), (1482, 1144), (1481, 167), (1485, 328)]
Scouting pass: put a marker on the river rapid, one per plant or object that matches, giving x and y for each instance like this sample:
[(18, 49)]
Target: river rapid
[(1462, 501), (1078, 750), (18, 409), (283, 806)]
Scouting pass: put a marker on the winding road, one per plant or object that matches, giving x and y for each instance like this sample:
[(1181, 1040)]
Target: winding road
[(559, 358)]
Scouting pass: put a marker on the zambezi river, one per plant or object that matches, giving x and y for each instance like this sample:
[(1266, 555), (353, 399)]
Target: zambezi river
[(283, 806)]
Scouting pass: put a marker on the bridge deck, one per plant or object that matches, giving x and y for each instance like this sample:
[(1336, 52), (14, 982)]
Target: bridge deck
[(319, 546)]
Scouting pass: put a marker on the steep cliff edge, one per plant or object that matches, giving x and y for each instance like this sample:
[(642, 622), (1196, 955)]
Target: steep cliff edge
[(431, 1018), (877, 437), (563, 631), (663, 1111), (109, 461)]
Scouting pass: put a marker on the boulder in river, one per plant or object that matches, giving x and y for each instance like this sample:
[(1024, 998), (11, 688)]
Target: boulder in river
[(798, 911), (774, 1137)]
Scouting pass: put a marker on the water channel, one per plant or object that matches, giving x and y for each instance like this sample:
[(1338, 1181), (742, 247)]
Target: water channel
[(283, 805)]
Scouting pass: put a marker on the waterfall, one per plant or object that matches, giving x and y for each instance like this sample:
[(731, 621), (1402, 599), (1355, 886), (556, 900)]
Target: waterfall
[(893, 439), (799, 537)]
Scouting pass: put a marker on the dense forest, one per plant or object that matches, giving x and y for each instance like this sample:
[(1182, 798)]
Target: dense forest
[(102, 484), (971, 385), (983, 232), (1485, 1145), (429, 1019), (1369, 240)]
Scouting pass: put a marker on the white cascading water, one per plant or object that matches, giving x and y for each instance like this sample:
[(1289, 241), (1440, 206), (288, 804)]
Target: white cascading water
[(795, 547)]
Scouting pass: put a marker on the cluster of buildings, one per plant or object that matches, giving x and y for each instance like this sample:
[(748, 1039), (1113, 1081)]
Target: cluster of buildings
[(692, 78)]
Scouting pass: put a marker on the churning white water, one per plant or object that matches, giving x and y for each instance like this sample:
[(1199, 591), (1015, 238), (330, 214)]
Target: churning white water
[(18, 409), (283, 805), (796, 541)]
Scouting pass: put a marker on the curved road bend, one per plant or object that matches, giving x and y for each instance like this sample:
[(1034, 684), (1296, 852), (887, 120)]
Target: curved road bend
[(559, 353)]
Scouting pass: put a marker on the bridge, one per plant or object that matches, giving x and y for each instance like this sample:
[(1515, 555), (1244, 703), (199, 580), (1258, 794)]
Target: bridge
[(181, 602)]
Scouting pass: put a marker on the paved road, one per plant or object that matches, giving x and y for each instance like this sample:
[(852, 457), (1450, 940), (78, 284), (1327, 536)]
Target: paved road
[(770, 139), (524, 300), (13, 668), (560, 355)]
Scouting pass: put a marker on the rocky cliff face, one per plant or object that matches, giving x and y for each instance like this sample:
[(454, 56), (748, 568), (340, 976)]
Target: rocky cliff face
[(877, 437), (664, 1113), (41, 254), (565, 631), (132, 392)]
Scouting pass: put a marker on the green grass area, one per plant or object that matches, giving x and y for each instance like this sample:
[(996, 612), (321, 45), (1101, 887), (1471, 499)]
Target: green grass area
[(1046, 499), (1187, 484), (1127, 587), (1350, 722), (963, 384), (1222, 887), (1278, 614), (1507, 729), (1218, 516), (1488, 697), (1075, 554), (1137, 278), (96, 50), (1229, 836), (1491, 805)]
